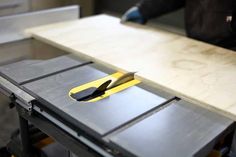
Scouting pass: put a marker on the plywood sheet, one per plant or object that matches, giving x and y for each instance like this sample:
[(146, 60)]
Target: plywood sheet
[(198, 72)]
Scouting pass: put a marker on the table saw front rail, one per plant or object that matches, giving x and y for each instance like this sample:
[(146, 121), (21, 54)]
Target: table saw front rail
[(131, 122)]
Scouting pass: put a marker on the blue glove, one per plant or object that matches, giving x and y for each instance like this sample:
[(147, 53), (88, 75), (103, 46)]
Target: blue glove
[(133, 15)]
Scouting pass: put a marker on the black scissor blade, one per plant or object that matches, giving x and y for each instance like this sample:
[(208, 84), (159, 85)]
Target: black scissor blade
[(91, 92), (84, 94), (101, 89)]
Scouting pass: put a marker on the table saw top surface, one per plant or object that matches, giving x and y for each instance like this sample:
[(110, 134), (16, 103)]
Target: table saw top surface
[(123, 119)]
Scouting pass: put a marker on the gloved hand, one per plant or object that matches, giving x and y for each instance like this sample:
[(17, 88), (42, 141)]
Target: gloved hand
[(133, 15)]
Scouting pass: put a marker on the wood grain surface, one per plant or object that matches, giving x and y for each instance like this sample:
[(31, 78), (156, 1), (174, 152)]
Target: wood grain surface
[(193, 70)]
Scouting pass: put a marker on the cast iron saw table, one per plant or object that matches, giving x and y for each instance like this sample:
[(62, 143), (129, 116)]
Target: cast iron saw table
[(132, 122)]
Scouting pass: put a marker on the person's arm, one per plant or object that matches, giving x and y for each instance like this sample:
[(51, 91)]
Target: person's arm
[(153, 8), (234, 16)]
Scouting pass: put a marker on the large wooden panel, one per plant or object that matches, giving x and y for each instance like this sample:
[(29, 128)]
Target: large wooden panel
[(198, 72)]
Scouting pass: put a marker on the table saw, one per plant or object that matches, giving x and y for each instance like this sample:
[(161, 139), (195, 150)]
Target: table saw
[(130, 122), (94, 110)]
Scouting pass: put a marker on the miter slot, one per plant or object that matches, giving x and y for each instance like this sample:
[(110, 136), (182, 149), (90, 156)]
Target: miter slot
[(56, 72), (181, 129), (139, 118), (32, 70)]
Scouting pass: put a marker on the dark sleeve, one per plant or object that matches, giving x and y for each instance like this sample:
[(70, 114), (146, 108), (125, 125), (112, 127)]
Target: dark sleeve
[(153, 8), (234, 16)]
